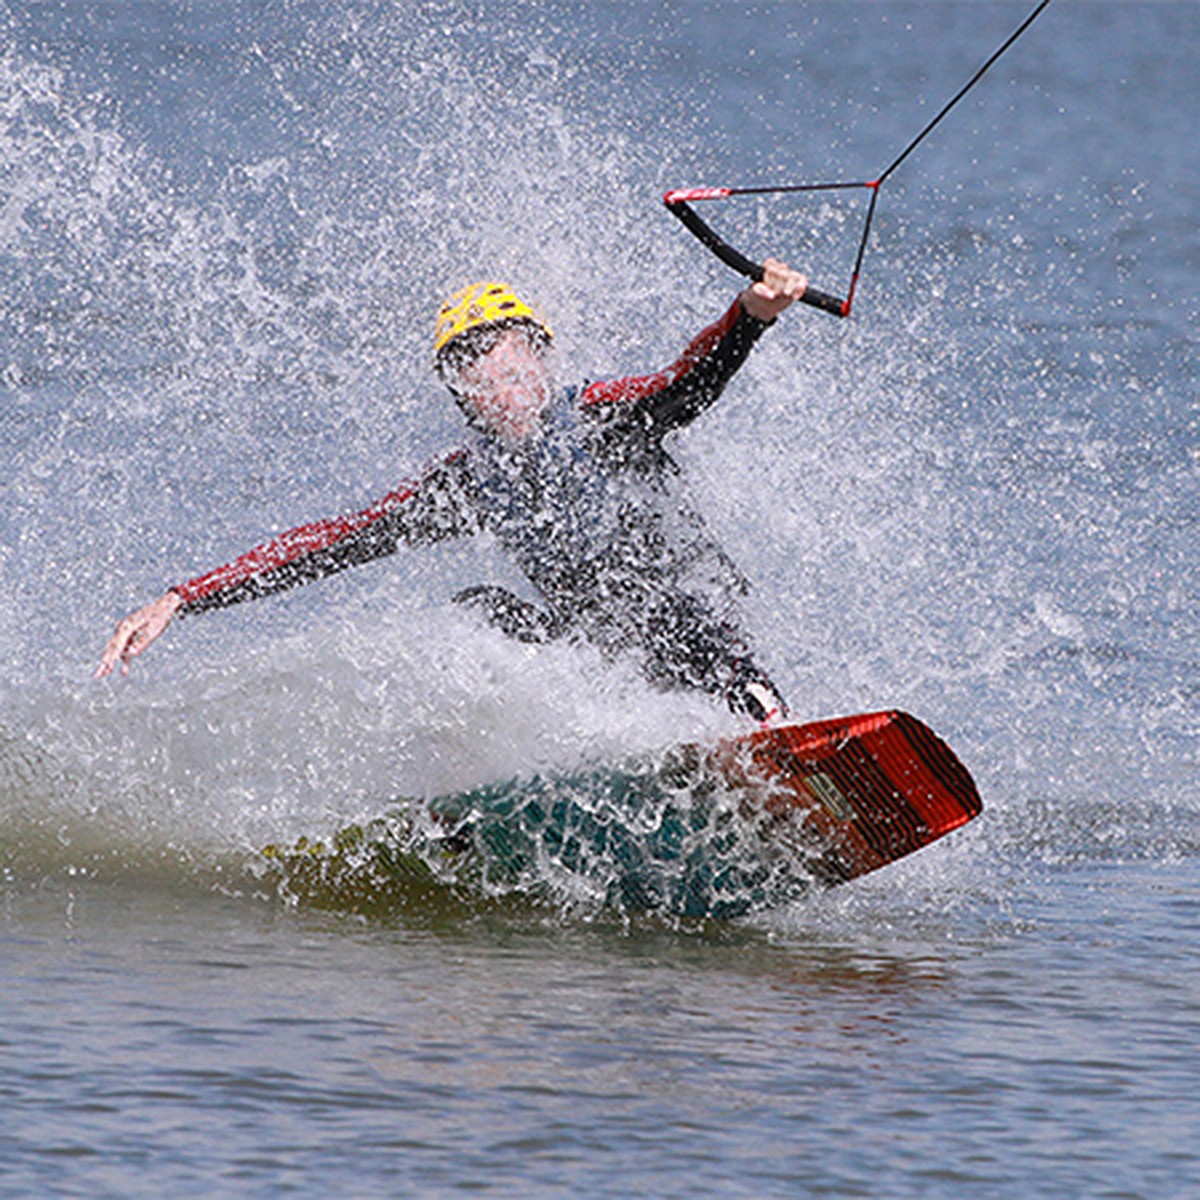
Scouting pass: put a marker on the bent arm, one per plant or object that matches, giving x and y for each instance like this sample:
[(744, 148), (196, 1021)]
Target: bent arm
[(671, 398)]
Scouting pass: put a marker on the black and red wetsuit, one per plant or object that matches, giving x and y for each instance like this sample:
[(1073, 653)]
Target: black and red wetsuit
[(591, 512)]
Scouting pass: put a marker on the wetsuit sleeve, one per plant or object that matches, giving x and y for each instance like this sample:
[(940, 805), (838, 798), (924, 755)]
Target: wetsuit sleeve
[(435, 507), (671, 398)]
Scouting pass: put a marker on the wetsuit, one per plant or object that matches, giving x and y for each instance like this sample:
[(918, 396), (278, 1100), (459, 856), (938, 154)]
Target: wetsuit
[(589, 509)]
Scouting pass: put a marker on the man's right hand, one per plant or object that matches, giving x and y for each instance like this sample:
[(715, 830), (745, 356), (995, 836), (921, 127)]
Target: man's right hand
[(137, 631)]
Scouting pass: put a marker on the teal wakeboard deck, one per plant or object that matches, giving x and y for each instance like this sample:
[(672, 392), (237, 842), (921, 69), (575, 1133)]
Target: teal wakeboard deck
[(751, 823)]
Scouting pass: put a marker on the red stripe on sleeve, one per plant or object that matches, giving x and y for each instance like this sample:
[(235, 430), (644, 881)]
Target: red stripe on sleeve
[(290, 547), (636, 387)]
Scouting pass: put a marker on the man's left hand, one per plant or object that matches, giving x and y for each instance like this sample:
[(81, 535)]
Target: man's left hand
[(780, 285)]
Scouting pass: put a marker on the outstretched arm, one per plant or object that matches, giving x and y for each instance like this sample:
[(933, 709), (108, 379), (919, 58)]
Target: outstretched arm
[(437, 507)]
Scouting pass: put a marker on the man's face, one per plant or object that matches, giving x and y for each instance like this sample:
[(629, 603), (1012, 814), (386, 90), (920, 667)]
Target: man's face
[(508, 388)]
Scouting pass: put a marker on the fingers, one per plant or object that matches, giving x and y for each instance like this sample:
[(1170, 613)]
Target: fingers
[(112, 652), (135, 633), (121, 646), (782, 281), (777, 289)]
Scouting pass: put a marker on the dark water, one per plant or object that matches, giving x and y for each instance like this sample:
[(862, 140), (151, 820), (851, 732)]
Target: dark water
[(224, 231)]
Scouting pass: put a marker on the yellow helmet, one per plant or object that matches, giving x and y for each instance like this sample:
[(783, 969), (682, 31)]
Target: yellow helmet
[(481, 305)]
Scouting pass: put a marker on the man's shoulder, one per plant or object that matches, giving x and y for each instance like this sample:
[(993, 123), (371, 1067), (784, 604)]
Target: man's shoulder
[(443, 473), (442, 465)]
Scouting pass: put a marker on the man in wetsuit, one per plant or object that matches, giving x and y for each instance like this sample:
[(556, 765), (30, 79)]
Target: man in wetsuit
[(575, 485)]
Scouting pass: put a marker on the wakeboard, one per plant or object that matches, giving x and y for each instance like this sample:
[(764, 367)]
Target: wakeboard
[(750, 823)]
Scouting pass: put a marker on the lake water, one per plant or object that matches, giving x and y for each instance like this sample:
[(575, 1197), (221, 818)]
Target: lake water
[(224, 231)]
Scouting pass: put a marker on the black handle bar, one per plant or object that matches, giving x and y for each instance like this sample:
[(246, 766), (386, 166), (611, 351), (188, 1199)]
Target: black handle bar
[(739, 262)]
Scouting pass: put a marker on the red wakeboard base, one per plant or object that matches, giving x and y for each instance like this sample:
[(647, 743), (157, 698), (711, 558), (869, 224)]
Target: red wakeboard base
[(860, 792)]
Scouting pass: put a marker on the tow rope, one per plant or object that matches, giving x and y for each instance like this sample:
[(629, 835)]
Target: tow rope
[(679, 200)]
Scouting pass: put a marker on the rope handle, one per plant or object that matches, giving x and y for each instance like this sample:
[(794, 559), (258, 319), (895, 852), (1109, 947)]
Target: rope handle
[(677, 201)]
